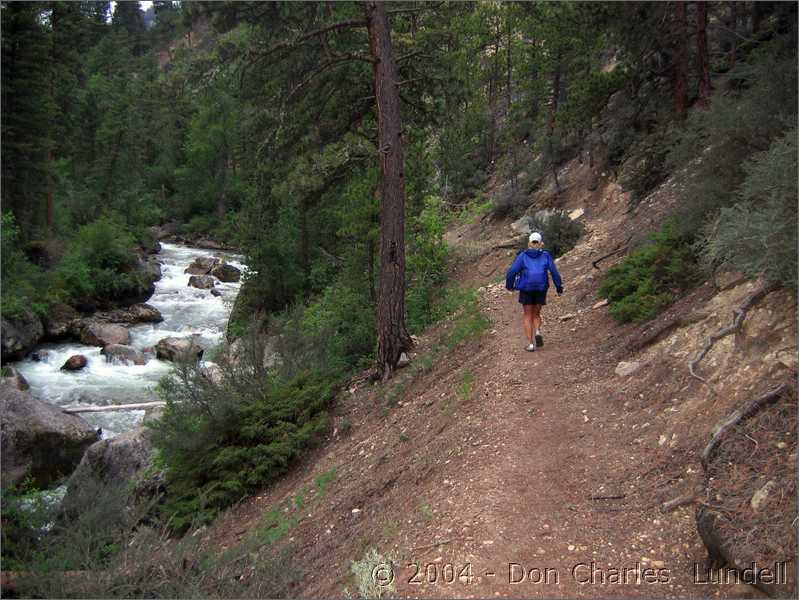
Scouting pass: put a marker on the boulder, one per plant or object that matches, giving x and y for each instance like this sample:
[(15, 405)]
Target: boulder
[(38, 439), (119, 353), (61, 321), (164, 231), (13, 378), (19, 334), (623, 369), (75, 363), (202, 265), (216, 292), (40, 356), (226, 273), (202, 282), (524, 225), (136, 313), (137, 285), (177, 349), (101, 334), (123, 461), (213, 373), (209, 244)]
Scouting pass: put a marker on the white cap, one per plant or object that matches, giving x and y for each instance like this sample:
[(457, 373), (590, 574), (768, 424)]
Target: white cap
[(535, 237)]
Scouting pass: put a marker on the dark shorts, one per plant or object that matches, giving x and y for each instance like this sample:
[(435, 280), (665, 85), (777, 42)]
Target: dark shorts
[(532, 297)]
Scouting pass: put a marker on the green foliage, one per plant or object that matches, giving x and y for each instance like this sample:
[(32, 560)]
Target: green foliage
[(99, 261), (560, 232), (718, 142), (24, 286), (652, 277), (222, 441), (427, 262), (758, 235)]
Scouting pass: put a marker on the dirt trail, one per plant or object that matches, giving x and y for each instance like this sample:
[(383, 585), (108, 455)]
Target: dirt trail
[(556, 477), (493, 457)]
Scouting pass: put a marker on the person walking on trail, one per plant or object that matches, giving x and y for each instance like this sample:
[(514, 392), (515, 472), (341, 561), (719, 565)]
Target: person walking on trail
[(529, 274)]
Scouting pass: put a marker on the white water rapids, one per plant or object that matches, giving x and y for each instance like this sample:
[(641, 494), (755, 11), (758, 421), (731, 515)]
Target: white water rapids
[(186, 311)]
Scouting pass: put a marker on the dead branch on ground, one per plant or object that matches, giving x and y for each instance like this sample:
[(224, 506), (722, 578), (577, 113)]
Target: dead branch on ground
[(740, 315), (739, 415)]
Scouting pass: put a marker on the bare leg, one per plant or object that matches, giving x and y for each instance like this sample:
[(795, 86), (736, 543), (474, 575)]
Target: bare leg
[(536, 318), (527, 322)]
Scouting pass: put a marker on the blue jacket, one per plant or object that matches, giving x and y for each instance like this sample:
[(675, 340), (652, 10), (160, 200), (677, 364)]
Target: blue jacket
[(532, 265)]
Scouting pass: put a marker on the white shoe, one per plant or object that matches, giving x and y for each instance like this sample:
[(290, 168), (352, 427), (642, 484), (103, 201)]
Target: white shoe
[(531, 348)]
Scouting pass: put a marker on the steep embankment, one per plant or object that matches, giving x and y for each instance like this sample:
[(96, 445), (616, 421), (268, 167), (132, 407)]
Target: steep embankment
[(489, 456)]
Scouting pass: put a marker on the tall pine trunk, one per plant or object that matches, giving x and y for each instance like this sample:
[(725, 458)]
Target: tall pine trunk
[(702, 60), (392, 335), (680, 66), (553, 115)]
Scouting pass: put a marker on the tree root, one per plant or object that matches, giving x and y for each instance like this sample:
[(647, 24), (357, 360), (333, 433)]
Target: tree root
[(618, 250), (740, 315), (739, 415), (677, 502)]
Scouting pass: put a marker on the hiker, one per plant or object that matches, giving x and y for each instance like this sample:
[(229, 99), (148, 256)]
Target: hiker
[(528, 274)]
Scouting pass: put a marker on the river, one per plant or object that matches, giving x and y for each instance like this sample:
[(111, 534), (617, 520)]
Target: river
[(186, 311)]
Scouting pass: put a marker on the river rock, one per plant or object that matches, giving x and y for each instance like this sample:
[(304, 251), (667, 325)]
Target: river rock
[(226, 273), (61, 321), (118, 353), (209, 244), (102, 334), (19, 334), (123, 461), (202, 265), (202, 282), (215, 292), (159, 232), (38, 439), (176, 349), (75, 363), (13, 378), (136, 313)]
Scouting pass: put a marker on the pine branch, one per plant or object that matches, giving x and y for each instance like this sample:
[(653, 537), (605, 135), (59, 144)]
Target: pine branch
[(310, 35)]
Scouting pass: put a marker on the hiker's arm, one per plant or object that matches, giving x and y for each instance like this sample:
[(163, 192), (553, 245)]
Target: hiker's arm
[(513, 271), (555, 275)]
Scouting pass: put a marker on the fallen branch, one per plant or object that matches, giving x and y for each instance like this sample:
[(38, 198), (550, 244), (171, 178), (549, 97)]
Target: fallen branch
[(739, 415), (677, 502), (613, 497), (740, 315), (114, 407), (661, 329), (618, 250)]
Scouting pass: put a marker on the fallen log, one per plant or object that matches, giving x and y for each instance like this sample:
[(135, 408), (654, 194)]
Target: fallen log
[(114, 407), (736, 417)]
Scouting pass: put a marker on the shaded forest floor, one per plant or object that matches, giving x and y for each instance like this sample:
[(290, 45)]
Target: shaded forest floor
[(490, 456)]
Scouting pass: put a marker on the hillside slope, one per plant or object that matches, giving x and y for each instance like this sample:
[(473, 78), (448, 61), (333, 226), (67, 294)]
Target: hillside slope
[(493, 456)]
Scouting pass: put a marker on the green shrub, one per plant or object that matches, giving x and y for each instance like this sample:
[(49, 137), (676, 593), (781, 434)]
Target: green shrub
[(559, 231), (427, 263), (758, 236), (716, 143), (24, 285), (98, 261), (222, 441), (650, 278)]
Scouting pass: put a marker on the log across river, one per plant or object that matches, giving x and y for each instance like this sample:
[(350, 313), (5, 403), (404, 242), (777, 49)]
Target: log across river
[(102, 385)]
